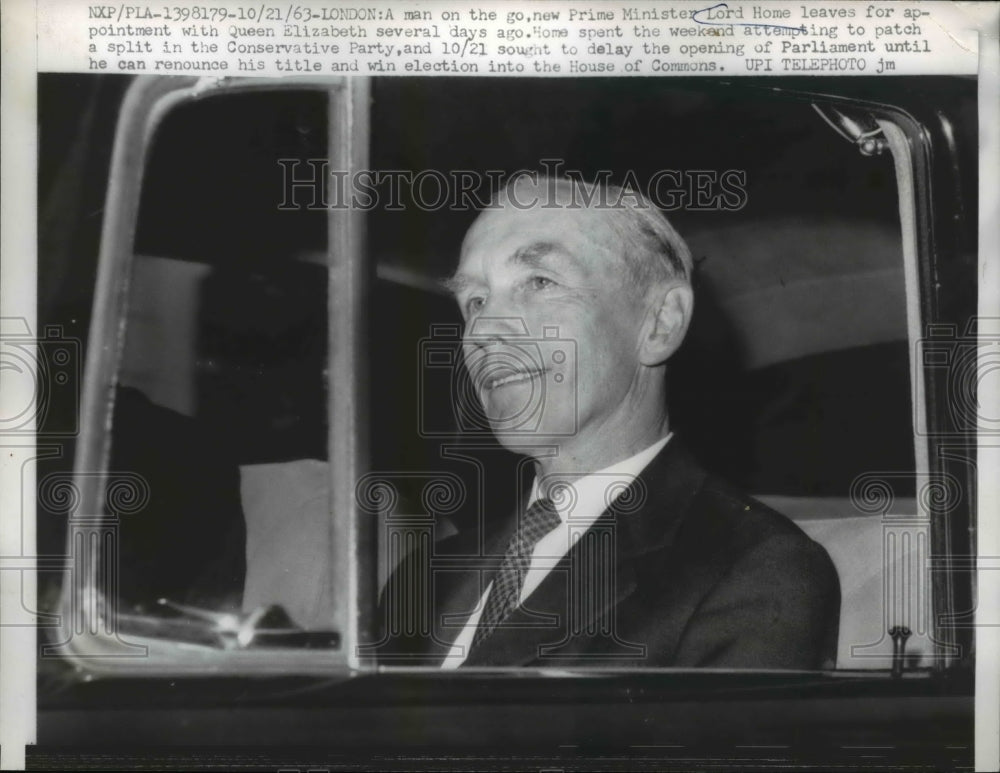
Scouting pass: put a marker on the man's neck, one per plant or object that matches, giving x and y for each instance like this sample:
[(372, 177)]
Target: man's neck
[(579, 457)]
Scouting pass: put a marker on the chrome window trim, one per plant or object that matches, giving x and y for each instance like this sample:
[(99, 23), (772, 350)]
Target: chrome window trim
[(88, 635)]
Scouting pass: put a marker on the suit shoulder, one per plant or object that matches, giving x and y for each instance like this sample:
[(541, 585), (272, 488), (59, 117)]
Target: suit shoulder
[(722, 506), (734, 528)]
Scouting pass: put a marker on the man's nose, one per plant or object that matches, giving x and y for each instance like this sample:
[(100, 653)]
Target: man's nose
[(485, 331)]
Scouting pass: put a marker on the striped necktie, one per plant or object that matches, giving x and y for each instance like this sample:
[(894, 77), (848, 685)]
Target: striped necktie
[(541, 518)]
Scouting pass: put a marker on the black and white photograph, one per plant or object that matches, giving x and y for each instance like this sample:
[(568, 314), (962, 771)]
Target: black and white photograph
[(448, 422), (445, 381)]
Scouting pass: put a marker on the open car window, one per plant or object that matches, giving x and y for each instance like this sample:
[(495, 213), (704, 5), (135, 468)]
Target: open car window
[(225, 347), (282, 399)]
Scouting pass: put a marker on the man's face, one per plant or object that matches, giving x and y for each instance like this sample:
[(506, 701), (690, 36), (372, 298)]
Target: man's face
[(552, 324)]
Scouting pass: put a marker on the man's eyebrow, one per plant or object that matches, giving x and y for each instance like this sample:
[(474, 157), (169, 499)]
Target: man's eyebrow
[(533, 254), (455, 284)]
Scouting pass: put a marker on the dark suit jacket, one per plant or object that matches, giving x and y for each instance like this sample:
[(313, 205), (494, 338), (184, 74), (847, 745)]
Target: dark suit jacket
[(681, 571)]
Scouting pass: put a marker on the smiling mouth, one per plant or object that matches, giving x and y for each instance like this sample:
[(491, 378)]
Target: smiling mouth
[(516, 377)]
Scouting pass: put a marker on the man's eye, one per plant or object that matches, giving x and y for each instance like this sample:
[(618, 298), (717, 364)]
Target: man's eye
[(475, 304), (541, 282)]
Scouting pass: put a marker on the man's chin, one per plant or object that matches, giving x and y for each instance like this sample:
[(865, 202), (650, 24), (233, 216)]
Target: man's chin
[(518, 430), (508, 409), (511, 426), (518, 415)]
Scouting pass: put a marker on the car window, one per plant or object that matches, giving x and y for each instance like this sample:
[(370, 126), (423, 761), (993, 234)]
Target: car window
[(795, 380), (226, 354), (220, 389), (245, 320)]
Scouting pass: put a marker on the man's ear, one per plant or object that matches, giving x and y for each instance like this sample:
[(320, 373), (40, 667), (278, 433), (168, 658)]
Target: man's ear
[(667, 323)]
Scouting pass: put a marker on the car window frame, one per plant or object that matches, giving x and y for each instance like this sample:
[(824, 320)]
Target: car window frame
[(88, 634), (144, 107)]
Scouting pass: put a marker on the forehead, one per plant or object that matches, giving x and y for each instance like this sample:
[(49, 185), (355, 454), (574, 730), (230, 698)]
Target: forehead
[(498, 236)]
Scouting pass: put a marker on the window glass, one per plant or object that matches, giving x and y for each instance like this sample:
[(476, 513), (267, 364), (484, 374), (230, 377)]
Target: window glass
[(221, 400), (792, 384), (794, 381)]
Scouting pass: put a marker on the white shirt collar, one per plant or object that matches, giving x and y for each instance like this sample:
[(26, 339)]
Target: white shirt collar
[(587, 505)]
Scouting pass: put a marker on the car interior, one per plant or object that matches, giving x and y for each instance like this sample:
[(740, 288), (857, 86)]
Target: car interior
[(795, 381)]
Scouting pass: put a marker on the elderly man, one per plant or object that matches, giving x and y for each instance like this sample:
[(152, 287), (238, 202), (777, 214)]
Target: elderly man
[(624, 553)]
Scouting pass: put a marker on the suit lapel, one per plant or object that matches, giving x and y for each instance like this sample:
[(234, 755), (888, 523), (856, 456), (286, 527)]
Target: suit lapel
[(458, 586), (564, 604), (572, 607), (458, 591)]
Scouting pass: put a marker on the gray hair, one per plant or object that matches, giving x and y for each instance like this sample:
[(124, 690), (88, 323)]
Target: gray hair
[(652, 250)]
